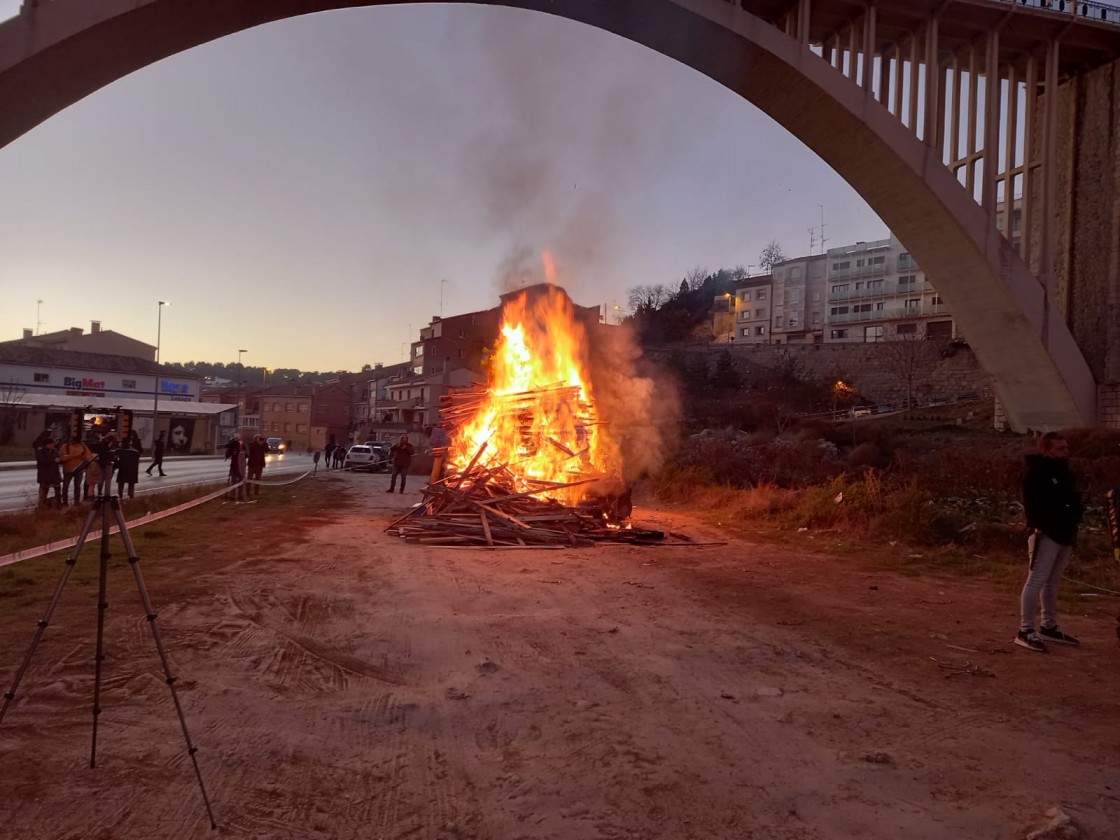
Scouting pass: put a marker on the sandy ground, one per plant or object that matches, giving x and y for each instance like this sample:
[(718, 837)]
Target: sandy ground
[(357, 687)]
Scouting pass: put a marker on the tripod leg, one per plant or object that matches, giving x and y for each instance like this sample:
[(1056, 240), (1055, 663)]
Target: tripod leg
[(46, 619), (134, 561), (102, 504)]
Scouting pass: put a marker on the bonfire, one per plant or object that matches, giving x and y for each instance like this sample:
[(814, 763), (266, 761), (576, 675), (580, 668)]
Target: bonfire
[(530, 461)]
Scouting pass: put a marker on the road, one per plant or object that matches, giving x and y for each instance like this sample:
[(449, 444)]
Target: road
[(19, 490)]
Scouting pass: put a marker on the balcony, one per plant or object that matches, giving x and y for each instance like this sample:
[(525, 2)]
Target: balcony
[(886, 290), (899, 313), (877, 270)]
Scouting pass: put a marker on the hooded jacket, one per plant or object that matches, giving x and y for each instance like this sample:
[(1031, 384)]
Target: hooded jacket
[(1051, 500)]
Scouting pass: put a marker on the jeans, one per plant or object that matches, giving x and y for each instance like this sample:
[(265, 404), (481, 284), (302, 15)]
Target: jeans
[(67, 479), (1048, 561), (402, 472)]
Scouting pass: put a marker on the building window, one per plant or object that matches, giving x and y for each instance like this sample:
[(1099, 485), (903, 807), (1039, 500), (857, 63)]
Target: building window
[(300, 428), (838, 334), (874, 284), (419, 349), (914, 304), (760, 312), (872, 334), (879, 306), (795, 296), (746, 331), (816, 297), (838, 310), (301, 408), (128, 383), (907, 329), (42, 377), (287, 408), (841, 266), (907, 280), (462, 354), (840, 287), (937, 300), (746, 296), (760, 330), (862, 307), (793, 320), (761, 295), (275, 426)]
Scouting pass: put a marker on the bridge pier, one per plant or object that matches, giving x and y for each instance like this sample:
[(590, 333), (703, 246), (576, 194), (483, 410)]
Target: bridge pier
[(1087, 214)]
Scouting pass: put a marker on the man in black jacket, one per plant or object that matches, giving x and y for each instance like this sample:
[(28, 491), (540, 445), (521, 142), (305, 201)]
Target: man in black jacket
[(401, 456), (1053, 506)]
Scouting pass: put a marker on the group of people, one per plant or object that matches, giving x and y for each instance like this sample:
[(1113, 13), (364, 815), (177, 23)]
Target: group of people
[(334, 454), (85, 469), (246, 465)]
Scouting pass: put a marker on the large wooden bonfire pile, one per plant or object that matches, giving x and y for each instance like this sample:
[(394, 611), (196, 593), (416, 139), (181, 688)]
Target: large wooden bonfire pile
[(491, 504)]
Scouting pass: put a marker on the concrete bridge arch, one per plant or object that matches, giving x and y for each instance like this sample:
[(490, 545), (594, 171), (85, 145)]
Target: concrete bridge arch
[(58, 52)]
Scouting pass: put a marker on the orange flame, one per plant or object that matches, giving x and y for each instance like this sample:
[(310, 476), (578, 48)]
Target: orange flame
[(538, 416)]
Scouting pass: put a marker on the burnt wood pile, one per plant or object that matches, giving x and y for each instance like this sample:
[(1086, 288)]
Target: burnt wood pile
[(487, 504)]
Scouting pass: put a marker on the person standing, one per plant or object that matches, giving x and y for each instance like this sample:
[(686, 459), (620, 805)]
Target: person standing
[(328, 450), (74, 456), (1053, 506), (128, 465), (401, 456), (235, 454), (48, 472), (315, 459), (157, 455), (258, 452)]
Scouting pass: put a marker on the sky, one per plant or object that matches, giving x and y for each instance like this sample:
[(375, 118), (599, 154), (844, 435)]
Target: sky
[(308, 189)]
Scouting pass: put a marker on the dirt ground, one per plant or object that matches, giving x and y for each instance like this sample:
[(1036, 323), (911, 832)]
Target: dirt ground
[(342, 684)]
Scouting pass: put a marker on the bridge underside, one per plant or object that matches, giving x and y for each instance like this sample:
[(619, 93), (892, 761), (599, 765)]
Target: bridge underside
[(69, 48)]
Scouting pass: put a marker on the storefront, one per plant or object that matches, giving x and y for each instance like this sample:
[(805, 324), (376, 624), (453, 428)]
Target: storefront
[(42, 388)]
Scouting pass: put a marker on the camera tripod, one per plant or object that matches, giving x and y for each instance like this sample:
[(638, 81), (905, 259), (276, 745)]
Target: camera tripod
[(103, 505)]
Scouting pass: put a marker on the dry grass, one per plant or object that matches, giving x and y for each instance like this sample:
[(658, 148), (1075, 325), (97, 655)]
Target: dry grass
[(941, 506)]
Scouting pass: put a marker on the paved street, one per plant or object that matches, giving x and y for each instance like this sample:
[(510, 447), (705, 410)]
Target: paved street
[(19, 490)]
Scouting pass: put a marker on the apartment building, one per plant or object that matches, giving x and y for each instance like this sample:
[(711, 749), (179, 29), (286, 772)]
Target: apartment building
[(798, 300), (753, 298), (876, 291)]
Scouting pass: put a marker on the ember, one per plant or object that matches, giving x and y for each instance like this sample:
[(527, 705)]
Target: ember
[(530, 461)]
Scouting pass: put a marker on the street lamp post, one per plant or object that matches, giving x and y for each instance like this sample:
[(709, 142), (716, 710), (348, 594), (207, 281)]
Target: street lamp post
[(155, 390), (240, 384)]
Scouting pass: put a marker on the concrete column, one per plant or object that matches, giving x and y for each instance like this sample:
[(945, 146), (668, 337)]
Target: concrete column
[(1087, 264)]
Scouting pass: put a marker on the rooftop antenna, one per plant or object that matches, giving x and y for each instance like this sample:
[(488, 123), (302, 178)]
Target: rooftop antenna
[(812, 239), (823, 240), (442, 283), (38, 317)]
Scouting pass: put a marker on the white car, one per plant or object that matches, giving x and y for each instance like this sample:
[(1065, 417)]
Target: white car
[(362, 457)]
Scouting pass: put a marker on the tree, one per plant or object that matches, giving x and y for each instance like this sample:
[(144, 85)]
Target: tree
[(648, 298), (908, 358), (11, 403), (695, 277), (771, 255), (726, 373)]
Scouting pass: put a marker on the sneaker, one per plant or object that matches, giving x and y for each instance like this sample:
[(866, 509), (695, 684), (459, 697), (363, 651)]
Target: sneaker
[(1030, 640), (1055, 634)]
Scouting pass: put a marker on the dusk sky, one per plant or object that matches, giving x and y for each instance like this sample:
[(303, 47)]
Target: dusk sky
[(301, 189)]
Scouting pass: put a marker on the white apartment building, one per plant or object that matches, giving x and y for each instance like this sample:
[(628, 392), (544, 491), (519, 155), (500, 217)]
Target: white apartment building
[(753, 299), (876, 291), (798, 300)]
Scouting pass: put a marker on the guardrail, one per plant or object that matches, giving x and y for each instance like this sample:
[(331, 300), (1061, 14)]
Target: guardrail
[(1090, 9)]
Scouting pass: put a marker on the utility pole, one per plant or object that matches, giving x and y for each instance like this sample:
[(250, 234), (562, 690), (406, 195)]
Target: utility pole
[(38, 317)]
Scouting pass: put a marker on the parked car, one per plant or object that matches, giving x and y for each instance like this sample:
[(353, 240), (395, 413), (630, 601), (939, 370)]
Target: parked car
[(276, 446), (362, 457), (381, 449)]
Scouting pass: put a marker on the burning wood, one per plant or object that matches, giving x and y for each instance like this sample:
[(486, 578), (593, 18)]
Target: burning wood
[(530, 462)]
